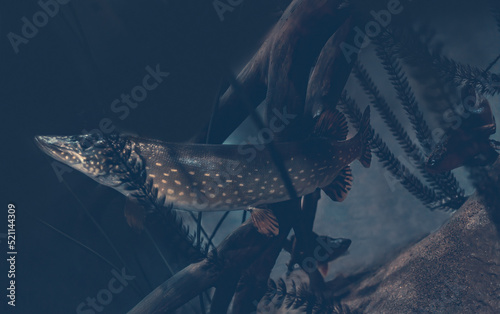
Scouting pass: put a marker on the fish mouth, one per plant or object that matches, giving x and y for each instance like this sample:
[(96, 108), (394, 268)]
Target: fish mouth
[(88, 153), (62, 148)]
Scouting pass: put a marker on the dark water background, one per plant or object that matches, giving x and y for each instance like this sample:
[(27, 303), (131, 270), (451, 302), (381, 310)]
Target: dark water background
[(61, 83)]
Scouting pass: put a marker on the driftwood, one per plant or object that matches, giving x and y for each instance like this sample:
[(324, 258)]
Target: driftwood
[(279, 71), (236, 253), (307, 36)]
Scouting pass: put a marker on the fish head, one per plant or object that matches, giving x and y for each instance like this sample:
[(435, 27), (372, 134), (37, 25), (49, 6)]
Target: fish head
[(452, 152), (90, 154), (333, 247)]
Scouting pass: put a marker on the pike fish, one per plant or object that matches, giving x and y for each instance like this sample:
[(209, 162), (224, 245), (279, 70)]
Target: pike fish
[(202, 177)]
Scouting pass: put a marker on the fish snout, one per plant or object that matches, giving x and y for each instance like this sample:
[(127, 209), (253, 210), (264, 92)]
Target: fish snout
[(62, 148)]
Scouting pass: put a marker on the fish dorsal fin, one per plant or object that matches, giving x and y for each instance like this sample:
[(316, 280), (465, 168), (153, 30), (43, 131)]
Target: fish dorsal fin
[(265, 221), (338, 189), (332, 124)]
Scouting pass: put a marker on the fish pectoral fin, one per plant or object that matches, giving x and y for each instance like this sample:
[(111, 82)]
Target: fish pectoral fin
[(338, 189), (135, 214), (265, 221), (323, 268)]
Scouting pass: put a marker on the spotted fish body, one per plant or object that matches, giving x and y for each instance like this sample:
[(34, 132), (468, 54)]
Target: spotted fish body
[(212, 177)]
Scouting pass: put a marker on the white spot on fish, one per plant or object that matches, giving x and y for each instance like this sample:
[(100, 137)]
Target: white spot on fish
[(158, 164), (152, 175), (170, 191), (166, 174), (173, 170), (177, 182), (164, 181), (191, 173)]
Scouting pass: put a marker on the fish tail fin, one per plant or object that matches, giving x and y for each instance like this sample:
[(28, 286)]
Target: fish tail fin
[(365, 132)]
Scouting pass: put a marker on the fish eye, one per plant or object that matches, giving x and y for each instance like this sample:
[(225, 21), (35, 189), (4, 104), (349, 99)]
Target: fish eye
[(85, 144)]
